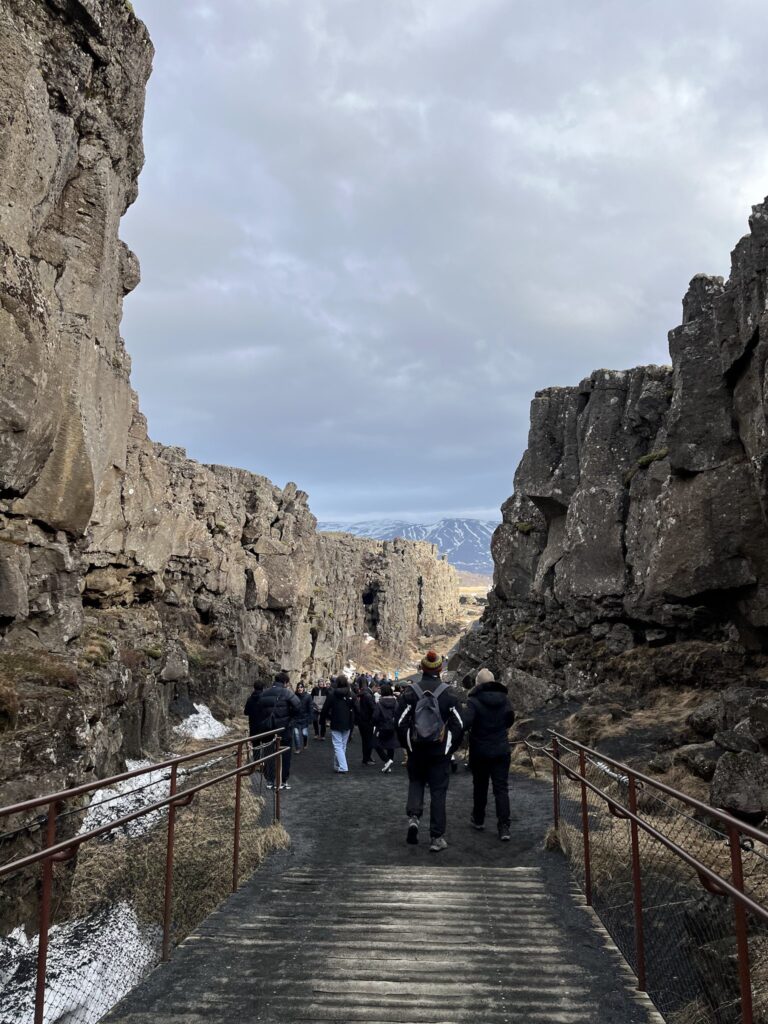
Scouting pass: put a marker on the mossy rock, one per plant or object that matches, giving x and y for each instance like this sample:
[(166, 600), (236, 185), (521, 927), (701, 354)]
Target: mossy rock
[(524, 527)]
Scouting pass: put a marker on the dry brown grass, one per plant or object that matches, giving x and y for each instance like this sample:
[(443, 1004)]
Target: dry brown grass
[(134, 869), (664, 709), (694, 1013)]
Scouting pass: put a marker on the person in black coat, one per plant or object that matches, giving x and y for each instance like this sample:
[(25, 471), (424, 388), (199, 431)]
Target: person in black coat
[(364, 709), (429, 764), (302, 719), (276, 709), (384, 727), (250, 710), (339, 712), (487, 718)]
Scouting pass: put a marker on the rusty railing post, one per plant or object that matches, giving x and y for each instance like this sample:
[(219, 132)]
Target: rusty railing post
[(236, 842), (278, 776), (742, 939), (168, 897), (585, 829), (556, 782), (637, 889), (45, 917)]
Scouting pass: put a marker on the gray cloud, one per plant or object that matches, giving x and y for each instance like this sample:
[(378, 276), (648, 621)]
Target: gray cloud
[(369, 232)]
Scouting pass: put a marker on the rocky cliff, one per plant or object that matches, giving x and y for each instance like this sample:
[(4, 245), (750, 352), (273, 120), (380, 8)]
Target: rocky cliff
[(633, 555), (132, 578)]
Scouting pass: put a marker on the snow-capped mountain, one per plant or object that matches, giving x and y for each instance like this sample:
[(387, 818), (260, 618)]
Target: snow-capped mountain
[(466, 542)]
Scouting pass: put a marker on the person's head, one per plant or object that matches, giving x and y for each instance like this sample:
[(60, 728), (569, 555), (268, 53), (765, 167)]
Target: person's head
[(484, 676), (282, 678), (341, 680), (386, 690), (300, 688), (258, 686), (431, 664)]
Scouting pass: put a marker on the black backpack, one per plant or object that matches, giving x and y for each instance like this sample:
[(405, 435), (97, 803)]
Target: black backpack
[(427, 723)]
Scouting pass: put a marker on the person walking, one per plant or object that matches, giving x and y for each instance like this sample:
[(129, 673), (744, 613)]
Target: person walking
[(487, 717), (319, 693), (384, 728), (302, 719), (430, 728), (276, 709), (250, 710), (339, 711), (364, 708)]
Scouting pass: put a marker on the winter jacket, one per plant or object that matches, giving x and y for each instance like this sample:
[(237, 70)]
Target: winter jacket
[(449, 712), (487, 717), (339, 709), (318, 698), (250, 710), (366, 705), (277, 709), (304, 715), (384, 722)]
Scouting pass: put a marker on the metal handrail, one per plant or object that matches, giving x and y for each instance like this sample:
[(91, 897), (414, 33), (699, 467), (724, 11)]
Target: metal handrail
[(89, 787), (709, 879)]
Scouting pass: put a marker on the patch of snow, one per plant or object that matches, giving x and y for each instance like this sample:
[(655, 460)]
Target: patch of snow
[(368, 639), (202, 725), (349, 670), (127, 796), (92, 963)]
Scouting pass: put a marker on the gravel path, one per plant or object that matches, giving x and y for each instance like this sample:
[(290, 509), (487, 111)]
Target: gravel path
[(351, 924)]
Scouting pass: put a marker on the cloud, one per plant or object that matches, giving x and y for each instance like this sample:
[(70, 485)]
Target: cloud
[(369, 232)]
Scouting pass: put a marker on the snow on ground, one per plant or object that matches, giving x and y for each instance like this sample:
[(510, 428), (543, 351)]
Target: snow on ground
[(368, 639), (202, 725), (92, 963), (127, 796)]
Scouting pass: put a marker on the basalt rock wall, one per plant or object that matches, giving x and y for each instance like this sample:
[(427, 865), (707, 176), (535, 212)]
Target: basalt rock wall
[(634, 550), (133, 580)]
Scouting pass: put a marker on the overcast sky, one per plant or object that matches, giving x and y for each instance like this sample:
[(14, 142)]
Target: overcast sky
[(369, 231)]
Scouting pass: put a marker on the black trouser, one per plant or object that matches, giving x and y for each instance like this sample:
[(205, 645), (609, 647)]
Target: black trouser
[(366, 736), (496, 771), (269, 766), (317, 723), (433, 770), (386, 753)]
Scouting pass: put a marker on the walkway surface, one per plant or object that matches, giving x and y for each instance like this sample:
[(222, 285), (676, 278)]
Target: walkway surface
[(353, 925)]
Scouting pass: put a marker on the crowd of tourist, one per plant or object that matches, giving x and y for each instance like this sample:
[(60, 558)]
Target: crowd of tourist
[(426, 719)]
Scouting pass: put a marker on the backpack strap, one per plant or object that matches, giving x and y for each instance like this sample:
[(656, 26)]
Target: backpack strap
[(439, 689), (417, 690)]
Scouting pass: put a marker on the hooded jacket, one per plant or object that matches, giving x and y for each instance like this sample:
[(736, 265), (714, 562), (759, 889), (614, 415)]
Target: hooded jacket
[(366, 705), (384, 722), (487, 717), (276, 710), (449, 712), (339, 709)]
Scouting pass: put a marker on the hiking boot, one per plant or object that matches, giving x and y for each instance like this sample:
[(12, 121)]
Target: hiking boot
[(438, 843), (412, 836), (387, 769), (504, 835), (476, 825), (285, 785)]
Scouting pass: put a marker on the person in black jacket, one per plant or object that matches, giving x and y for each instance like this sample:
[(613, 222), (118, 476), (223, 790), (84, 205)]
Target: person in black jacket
[(429, 763), (339, 711), (302, 719), (276, 709), (487, 717), (384, 728), (364, 709)]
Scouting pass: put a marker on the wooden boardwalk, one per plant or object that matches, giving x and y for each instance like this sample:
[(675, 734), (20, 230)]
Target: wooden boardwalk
[(354, 926)]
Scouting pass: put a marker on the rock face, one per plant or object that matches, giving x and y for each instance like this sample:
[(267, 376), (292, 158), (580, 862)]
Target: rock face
[(634, 549), (132, 579)]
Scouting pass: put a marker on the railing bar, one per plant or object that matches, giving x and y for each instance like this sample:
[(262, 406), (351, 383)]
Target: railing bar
[(89, 787), (75, 841), (749, 903)]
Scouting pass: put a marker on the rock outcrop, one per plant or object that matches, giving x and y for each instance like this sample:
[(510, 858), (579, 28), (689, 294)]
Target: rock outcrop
[(132, 578), (634, 551)]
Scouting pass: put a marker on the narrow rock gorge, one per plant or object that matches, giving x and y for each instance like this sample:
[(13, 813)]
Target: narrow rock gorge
[(133, 579), (631, 568)]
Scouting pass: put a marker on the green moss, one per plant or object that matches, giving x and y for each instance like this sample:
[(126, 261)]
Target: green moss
[(525, 528), (153, 652), (518, 633), (647, 460), (35, 667)]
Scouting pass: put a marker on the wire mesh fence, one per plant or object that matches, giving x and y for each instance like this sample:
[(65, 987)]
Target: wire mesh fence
[(118, 901), (670, 919)]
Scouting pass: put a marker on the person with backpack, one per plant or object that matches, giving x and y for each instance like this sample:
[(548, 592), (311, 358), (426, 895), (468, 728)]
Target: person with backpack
[(384, 727), (339, 712), (487, 718), (302, 719), (429, 727), (276, 709), (364, 709)]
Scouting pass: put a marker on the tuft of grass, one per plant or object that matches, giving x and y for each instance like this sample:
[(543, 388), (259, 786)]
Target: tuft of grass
[(524, 527), (552, 840), (19, 667), (153, 652), (647, 460)]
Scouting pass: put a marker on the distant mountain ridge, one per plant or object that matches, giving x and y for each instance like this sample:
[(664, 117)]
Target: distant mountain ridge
[(465, 542)]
